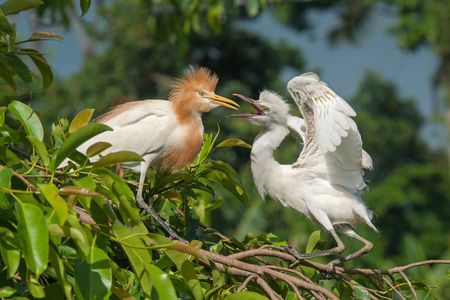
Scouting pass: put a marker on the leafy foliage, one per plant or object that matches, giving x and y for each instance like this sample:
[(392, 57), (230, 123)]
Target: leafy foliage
[(77, 232)]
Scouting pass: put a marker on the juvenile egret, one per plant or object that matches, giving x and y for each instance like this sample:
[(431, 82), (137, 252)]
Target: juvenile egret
[(167, 134), (326, 182)]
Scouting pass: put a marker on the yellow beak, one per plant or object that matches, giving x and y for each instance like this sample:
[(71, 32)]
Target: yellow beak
[(222, 101)]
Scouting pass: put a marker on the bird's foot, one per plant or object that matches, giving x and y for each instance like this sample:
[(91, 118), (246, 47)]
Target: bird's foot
[(294, 252), (173, 235), (331, 273)]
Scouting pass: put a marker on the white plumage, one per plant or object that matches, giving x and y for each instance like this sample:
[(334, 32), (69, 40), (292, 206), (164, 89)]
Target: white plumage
[(166, 134), (326, 182)]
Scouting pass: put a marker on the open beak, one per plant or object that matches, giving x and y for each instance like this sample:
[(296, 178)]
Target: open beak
[(222, 101), (254, 103)]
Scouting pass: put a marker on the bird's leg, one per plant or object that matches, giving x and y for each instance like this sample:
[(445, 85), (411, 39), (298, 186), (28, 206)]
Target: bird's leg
[(142, 204), (364, 250), (336, 250)]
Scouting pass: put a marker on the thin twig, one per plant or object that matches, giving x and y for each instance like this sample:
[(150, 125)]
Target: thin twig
[(409, 284), (393, 288), (22, 178), (246, 281)]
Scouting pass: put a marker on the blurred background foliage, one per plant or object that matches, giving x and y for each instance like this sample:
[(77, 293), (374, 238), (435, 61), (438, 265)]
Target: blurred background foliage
[(132, 49)]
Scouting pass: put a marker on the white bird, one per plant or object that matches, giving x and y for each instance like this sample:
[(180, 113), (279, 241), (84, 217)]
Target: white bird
[(326, 182), (166, 134)]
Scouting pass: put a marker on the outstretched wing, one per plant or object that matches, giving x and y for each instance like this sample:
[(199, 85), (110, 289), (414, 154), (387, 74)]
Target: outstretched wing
[(297, 127), (330, 126)]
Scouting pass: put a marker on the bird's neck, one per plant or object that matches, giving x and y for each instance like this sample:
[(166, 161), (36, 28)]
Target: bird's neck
[(266, 142)]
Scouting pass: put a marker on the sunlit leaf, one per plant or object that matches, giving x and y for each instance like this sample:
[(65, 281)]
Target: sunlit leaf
[(7, 291), (10, 7), (93, 276), (312, 241), (34, 286), (162, 283), (234, 143), (33, 236), (5, 177), (97, 148), (77, 138), (30, 121), (189, 250), (183, 264), (117, 157), (81, 119), (51, 194), (139, 258)]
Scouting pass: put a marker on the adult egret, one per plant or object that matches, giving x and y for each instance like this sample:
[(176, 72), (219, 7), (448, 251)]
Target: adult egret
[(167, 134), (326, 182)]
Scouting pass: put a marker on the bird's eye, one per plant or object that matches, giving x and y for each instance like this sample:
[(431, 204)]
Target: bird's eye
[(201, 93), (265, 109)]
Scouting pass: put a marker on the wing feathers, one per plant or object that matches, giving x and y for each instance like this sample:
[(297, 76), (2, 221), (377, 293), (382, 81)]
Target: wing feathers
[(335, 132)]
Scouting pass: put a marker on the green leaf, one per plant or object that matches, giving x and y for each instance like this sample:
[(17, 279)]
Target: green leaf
[(312, 241), (187, 271), (5, 177), (77, 138), (41, 150), (20, 67), (227, 177), (139, 258), (116, 157), (33, 236), (4, 24), (162, 283), (360, 292), (10, 251), (8, 157), (183, 264), (252, 8), (30, 121), (51, 194), (10, 7), (233, 143), (34, 286), (60, 271), (97, 148), (54, 291), (93, 276), (42, 65), (246, 295), (81, 119), (85, 4), (7, 291)]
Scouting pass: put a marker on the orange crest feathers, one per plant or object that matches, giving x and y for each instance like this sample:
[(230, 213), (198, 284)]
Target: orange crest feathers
[(194, 79)]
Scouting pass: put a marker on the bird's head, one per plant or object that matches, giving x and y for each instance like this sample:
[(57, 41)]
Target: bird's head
[(195, 91), (270, 109)]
